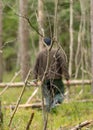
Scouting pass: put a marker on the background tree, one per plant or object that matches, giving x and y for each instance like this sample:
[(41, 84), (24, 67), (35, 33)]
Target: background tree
[(23, 39), (1, 59), (60, 27), (56, 20), (82, 55), (41, 21), (71, 39), (91, 18)]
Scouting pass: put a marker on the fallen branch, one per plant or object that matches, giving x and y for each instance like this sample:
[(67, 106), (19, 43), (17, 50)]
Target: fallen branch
[(31, 97), (34, 105), (39, 104), (79, 82), (83, 124), (78, 101), (16, 84), (20, 84), (85, 100)]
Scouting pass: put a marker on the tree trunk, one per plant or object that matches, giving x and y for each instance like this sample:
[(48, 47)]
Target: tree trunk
[(91, 20), (41, 22), (1, 58), (71, 38), (56, 21), (23, 39)]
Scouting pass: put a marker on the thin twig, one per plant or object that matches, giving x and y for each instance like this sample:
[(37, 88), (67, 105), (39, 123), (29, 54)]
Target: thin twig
[(6, 43), (31, 97), (33, 26), (46, 121), (45, 117), (1, 115), (81, 125), (7, 86), (19, 99), (28, 20), (30, 121), (43, 109), (62, 50)]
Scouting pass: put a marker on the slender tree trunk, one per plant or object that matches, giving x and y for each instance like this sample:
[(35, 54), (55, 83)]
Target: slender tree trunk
[(79, 59), (91, 20), (83, 11), (41, 22), (78, 51), (1, 58), (71, 38), (56, 21), (23, 39), (41, 46)]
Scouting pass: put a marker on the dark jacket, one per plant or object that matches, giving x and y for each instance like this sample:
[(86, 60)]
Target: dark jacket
[(57, 65)]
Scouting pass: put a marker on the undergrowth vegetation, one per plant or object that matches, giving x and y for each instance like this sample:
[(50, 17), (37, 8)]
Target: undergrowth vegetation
[(74, 110)]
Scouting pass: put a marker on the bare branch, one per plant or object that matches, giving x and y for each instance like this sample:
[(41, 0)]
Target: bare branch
[(30, 121), (6, 43), (19, 99), (7, 86), (81, 125), (33, 94)]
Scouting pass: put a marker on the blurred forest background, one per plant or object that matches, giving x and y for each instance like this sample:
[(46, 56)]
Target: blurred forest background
[(66, 20), (23, 24)]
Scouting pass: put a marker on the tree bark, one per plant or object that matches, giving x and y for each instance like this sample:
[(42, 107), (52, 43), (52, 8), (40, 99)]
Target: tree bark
[(23, 39), (56, 21), (41, 22), (1, 57), (71, 38), (91, 21)]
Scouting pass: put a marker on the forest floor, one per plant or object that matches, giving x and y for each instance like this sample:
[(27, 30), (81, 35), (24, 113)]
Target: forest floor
[(73, 111), (77, 108)]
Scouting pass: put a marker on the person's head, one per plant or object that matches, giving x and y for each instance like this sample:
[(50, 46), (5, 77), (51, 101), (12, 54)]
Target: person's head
[(47, 41)]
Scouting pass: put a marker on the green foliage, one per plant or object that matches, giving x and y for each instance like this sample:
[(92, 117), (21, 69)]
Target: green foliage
[(9, 55), (10, 25), (9, 52), (49, 8)]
